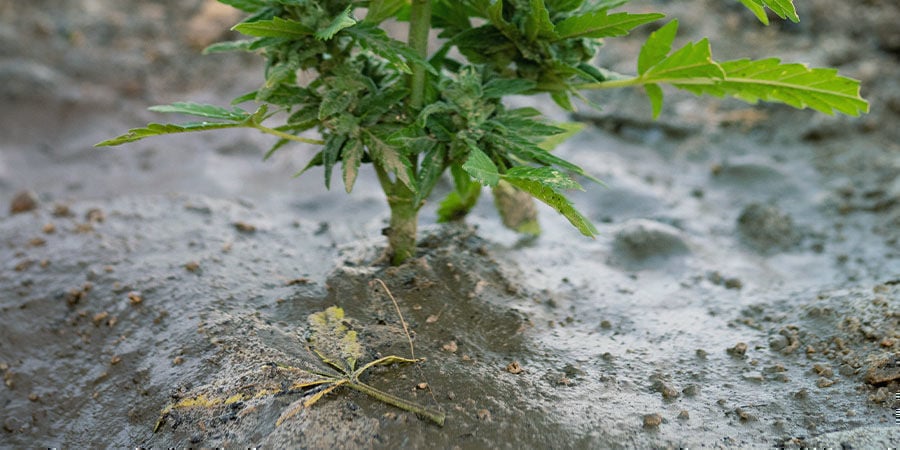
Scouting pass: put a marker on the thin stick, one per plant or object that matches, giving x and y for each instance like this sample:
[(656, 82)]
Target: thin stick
[(412, 350)]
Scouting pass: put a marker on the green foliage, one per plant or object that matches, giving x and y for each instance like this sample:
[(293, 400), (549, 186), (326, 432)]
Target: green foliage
[(412, 115)]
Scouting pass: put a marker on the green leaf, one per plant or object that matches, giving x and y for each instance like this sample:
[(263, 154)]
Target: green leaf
[(432, 166), (351, 159), (537, 22), (782, 8), (561, 98), (480, 167), (395, 52), (547, 194), (547, 176), (335, 101), (277, 146), (501, 87), (758, 10), (657, 47), (229, 46), (379, 10), (250, 6), (564, 5), (332, 340), (655, 94), (316, 161), (202, 110), (390, 159), (342, 21), (330, 154), (552, 141), (156, 129), (794, 84), (275, 27), (600, 24)]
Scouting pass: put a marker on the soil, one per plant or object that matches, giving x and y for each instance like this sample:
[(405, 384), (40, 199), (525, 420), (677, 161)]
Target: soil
[(744, 289)]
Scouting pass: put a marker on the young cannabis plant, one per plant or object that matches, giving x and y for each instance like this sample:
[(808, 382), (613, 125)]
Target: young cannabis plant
[(413, 115)]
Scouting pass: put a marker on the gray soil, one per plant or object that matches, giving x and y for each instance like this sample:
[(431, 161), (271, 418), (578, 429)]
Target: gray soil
[(744, 290)]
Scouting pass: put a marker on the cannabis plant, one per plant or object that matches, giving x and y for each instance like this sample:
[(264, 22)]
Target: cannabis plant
[(412, 113)]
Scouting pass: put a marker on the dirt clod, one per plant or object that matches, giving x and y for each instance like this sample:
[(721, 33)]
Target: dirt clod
[(23, 201), (739, 350), (514, 368), (652, 420)]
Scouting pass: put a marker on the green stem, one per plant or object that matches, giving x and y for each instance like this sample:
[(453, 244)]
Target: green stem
[(401, 233), (612, 84), (288, 136), (406, 405), (419, 26)]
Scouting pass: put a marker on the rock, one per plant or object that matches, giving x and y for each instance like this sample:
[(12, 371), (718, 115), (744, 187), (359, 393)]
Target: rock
[(641, 239), (23, 201)]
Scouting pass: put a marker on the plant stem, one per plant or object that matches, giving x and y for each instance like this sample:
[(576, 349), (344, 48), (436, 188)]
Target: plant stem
[(401, 233), (419, 26), (434, 416), (288, 136)]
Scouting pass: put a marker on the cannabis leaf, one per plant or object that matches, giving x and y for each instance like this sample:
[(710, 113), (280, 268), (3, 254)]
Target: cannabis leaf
[(343, 20), (600, 24), (543, 184), (782, 8), (274, 27), (692, 68)]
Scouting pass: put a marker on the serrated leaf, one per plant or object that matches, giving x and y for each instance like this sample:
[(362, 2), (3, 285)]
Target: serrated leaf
[(537, 22), (758, 10), (249, 6), (202, 110), (793, 84), (316, 161), (330, 154), (693, 61), (229, 46), (657, 46), (547, 194), (277, 146), (350, 160), (334, 101), (390, 159), (600, 24), (501, 87), (157, 129), (564, 5), (395, 52), (552, 141), (432, 166), (561, 98), (655, 94), (782, 8), (342, 21), (480, 167), (548, 176), (379, 10), (275, 27), (332, 339)]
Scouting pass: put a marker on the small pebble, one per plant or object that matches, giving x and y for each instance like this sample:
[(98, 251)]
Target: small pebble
[(135, 297), (192, 266), (514, 368), (739, 349), (824, 382), (49, 228), (652, 420), (483, 415), (94, 215), (245, 227), (451, 347), (178, 361), (684, 415)]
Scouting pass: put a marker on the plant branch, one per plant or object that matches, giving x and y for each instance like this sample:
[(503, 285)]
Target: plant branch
[(284, 135), (419, 26), (435, 416)]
